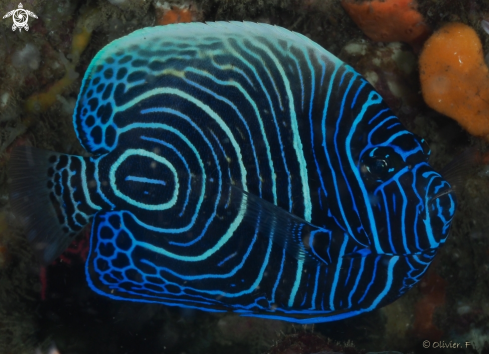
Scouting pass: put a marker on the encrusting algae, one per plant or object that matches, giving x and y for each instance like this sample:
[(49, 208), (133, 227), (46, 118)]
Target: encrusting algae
[(455, 78), (40, 102)]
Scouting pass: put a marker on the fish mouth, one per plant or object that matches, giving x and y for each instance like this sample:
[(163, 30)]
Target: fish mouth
[(443, 204), (442, 193)]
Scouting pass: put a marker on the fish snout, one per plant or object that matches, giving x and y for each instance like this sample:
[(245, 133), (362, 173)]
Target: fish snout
[(441, 208)]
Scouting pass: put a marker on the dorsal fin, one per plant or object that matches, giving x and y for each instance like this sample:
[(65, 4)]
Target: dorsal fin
[(161, 57)]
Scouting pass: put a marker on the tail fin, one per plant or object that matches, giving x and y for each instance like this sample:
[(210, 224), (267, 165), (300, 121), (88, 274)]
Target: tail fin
[(38, 196)]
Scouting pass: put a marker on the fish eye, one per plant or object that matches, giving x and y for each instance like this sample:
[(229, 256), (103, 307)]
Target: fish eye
[(378, 167), (379, 164)]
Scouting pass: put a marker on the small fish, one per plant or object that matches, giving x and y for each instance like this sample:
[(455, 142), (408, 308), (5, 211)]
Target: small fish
[(237, 166)]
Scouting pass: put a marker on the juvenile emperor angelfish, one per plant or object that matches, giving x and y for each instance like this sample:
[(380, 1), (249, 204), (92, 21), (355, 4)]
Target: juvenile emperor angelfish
[(237, 166)]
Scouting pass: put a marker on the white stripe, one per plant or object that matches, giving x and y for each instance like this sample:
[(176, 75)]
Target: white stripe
[(155, 157), (297, 282), (86, 193), (297, 139), (201, 105)]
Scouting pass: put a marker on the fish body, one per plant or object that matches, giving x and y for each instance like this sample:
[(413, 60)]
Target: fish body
[(237, 166)]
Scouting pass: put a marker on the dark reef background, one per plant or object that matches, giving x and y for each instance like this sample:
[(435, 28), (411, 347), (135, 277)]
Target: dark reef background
[(51, 310)]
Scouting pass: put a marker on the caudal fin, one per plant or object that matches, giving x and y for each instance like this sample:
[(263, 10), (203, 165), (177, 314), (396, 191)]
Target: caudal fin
[(36, 197)]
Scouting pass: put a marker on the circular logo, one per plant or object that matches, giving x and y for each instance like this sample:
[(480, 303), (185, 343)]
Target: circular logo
[(20, 18)]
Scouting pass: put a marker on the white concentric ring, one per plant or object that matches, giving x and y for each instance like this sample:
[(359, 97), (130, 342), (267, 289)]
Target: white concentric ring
[(155, 157)]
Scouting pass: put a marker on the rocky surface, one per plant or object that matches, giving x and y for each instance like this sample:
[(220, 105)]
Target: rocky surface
[(40, 77)]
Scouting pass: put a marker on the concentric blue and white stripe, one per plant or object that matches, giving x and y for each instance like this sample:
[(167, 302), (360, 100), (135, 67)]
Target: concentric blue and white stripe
[(240, 166)]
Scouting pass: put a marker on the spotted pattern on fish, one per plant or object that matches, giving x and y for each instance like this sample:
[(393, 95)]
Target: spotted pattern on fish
[(239, 166)]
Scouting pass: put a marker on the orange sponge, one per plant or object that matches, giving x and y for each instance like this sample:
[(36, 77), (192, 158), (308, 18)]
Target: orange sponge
[(171, 13), (389, 20), (455, 79)]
